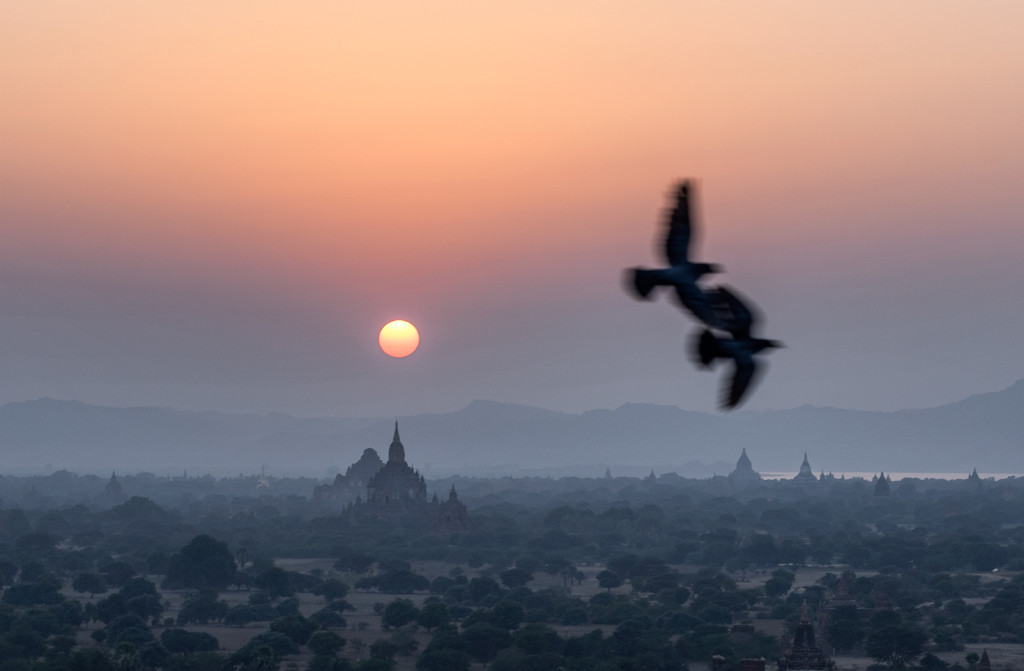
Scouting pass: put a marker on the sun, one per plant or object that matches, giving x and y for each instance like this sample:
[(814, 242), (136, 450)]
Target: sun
[(399, 338)]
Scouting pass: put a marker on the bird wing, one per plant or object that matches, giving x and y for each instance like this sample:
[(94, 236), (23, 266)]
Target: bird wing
[(692, 298), (704, 349), (677, 244), (743, 375), (736, 316)]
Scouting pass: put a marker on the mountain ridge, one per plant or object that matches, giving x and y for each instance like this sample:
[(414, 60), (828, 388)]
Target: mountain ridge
[(984, 431)]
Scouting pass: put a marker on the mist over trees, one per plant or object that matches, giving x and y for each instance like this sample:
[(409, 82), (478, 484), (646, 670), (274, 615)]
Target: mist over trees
[(583, 573)]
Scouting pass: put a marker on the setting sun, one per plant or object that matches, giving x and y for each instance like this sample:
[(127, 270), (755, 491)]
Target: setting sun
[(399, 338)]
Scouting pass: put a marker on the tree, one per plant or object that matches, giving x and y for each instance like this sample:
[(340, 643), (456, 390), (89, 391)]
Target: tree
[(402, 582), (779, 583), (295, 627), (398, 613), (844, 627), (433, 614), (274, 581), (354, 562), (33, 593), (483, 641), (482, 586), (325, 643), (331, 589), (890, 641), (145, 605), (508, 614), (932, 663), (239, 615), (90, 659), (118, 573), (327, 617), (205, 563), (113, 606), (93, 583), (275, 642), (202, 608), (536, 638), (608, 579), (131, 628), (515, 577)]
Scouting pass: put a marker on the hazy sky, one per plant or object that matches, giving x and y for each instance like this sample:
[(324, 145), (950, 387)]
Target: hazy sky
[(217, 205)]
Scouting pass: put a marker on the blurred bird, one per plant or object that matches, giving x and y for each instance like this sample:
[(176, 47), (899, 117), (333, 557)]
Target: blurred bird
[(682, 274), (737, 318)]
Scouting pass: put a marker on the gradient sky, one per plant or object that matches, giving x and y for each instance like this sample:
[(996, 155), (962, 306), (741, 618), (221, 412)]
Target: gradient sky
[(217, 205)]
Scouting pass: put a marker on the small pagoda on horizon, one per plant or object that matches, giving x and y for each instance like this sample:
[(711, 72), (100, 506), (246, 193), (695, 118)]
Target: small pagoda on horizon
[(744, 473)]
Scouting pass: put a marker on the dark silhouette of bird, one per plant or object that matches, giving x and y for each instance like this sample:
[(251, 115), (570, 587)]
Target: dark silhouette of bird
[(681, 274), (738, 319)]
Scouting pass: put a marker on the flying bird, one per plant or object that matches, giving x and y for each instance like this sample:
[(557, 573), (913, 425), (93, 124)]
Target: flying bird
[(738, 319), (682, 274)]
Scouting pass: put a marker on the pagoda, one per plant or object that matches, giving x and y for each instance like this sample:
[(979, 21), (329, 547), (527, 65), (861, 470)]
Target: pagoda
[(805, 474), (744, 472), (803, 653)]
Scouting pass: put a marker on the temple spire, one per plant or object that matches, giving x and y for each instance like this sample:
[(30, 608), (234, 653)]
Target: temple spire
[(397, 451)]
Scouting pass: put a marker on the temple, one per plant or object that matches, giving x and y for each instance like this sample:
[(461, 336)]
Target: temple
[(348, 487), (396, 484), (114, 492), (803, 653), (882, 485), (744, 472), (393, 490), (805, 475)]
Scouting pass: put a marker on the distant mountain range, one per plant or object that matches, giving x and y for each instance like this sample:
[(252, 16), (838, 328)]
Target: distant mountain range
[(985, 431)]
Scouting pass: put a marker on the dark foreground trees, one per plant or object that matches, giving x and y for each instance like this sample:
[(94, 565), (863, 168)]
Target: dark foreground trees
[(892, 641), (205, 563)]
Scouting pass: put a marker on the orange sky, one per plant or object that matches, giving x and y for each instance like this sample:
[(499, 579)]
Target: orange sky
[(296, 175)]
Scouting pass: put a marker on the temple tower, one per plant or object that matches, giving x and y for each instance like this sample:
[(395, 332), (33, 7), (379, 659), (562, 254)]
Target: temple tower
[(397, 451), (744, 472), (805, 474)]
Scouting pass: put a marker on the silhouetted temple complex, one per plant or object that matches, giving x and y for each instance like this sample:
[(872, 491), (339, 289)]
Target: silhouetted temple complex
[(392, 489)]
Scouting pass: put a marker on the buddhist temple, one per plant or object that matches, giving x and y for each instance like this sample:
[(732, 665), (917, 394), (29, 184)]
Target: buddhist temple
[(744, 472), (806, 474), (392, 490), (882, 486), (352, 484), (396, 483), (114, 492), (804, 653)]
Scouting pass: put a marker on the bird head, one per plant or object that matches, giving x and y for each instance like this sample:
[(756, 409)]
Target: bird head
[(763, 344)]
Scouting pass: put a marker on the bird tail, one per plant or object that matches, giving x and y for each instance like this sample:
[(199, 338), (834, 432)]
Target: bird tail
[(705, 349), (642, 281)]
